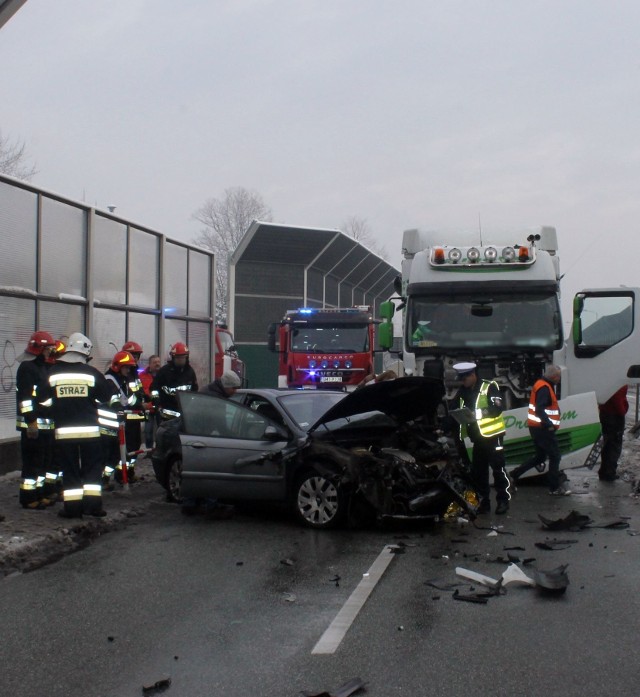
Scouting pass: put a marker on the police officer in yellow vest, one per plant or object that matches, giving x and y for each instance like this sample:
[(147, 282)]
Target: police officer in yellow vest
[(483, 398)]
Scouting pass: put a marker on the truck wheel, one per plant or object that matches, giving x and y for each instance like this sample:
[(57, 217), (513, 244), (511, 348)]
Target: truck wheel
[(174, 478), (318, 502)]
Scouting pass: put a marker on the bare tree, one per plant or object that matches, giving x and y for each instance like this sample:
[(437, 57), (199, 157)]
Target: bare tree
[(225, 221), (358, 228), (13, 159)]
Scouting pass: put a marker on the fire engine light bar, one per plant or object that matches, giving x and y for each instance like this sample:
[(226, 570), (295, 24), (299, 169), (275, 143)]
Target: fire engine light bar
[(490, 253), (455, 255), (509, 254), (473, 254)]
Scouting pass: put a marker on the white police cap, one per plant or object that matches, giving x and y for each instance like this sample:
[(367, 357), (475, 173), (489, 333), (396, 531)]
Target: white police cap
[(464, 368)]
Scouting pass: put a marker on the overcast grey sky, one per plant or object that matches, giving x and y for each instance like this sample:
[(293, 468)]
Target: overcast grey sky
[(409, 113)]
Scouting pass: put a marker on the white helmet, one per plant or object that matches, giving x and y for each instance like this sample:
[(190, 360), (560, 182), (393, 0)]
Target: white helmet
[(79, 343)]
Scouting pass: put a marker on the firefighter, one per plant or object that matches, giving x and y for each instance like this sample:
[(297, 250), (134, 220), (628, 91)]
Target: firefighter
[(126, 402), (146, 378), (134, 422), (175, 376), (543, 420), (483, 398), (75, 389), (134, 349), (38, 478)]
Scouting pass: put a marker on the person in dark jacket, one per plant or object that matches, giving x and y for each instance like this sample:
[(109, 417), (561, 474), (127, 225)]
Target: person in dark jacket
[(483, 399), (225, 386), (175, 376), (543, 421), (75, 390), (612, 420), (38, 479)]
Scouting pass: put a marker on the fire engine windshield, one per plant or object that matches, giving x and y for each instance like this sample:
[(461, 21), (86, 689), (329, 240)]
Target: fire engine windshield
[(497, 322), (349, 338), (226, 341)]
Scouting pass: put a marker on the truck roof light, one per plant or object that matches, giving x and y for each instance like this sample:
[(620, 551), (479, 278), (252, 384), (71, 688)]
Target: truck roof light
[(473, 254), (490, 253), (508, 254), (438, 255), (455, 255), (523, 254)]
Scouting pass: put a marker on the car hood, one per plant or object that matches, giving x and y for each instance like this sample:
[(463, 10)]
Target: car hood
[(404, 399)]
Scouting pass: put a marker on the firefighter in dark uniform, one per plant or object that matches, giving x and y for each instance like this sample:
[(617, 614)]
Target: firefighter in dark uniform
[(38, 478), (483, 398), (126, 402), (76, 389), (134, 424), (175, 376)]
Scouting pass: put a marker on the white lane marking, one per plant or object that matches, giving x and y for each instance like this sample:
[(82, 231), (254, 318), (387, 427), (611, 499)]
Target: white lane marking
[(335, 632)]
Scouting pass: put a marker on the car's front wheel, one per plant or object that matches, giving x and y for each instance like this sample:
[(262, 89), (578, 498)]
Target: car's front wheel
[(174, 478), (318, 501)]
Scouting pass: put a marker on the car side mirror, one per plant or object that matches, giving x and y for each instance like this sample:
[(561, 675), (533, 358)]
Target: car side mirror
[(274, 434)]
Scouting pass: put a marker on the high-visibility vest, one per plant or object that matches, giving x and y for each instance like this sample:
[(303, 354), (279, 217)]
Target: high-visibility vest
[(552, 411), (488, 426)]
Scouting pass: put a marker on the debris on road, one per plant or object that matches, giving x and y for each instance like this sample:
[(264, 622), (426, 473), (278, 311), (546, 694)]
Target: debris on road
[(157, 687), (513, 574), (477, 577), (348, 688), (554, 581), (574, 521), (553, 545)]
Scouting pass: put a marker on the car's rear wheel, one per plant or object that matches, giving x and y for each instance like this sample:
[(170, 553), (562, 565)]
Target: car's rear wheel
[(318, 501), (174, 478)]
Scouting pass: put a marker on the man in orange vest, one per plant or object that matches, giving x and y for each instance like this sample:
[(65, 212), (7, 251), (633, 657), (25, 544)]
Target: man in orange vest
[(543, 420)]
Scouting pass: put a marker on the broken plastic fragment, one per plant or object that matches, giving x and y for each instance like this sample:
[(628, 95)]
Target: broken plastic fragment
[(555, 544), (553, 581), (476, 577), (348, 688), (513, 574), (574, 521), (159, 686)]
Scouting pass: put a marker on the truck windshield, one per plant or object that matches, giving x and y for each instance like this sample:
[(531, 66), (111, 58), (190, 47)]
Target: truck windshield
[(500, 321), (327, 339)]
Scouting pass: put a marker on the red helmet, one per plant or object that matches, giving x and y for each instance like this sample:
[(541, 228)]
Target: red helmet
[(132, 347), (38, 342), (122, 358), (179, 349)]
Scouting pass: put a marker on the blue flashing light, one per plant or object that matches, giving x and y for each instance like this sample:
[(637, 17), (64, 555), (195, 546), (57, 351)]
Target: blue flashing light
[(312, 373), (336, 364), (324, 364), (306, 310), (312, 363), (348, 364)]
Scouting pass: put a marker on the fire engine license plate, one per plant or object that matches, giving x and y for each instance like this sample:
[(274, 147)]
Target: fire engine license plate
[(331, 379)]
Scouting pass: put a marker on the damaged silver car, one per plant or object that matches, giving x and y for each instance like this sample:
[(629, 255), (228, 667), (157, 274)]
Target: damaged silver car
[(378, 451)]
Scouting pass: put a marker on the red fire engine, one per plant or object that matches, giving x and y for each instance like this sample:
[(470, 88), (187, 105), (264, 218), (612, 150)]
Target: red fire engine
[(330, 348)]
